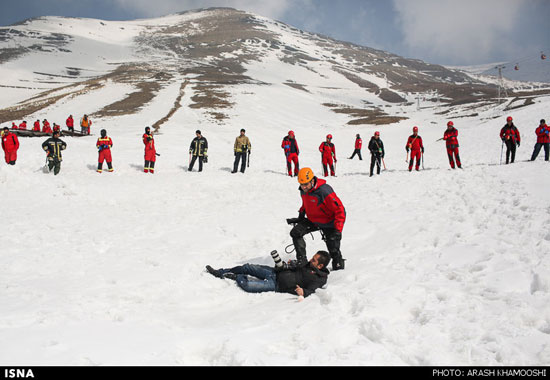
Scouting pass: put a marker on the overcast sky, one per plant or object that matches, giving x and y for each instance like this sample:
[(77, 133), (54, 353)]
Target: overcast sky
[(452, 32)]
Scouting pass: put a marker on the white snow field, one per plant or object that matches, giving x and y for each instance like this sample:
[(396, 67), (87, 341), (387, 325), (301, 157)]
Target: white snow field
[(444, 267)]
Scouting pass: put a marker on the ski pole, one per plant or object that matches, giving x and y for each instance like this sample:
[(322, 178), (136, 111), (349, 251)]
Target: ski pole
[(384, 163), (248, 161), (422, 161), (407, 159), (501, 149)]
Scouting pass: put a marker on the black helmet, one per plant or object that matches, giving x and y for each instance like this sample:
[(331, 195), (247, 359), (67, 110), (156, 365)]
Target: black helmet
[(103, 133), (147, 129)]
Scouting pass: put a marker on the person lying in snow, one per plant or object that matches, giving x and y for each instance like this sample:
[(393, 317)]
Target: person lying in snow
[(283, 278)]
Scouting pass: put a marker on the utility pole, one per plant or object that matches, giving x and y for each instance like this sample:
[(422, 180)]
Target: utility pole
[(501, 81)]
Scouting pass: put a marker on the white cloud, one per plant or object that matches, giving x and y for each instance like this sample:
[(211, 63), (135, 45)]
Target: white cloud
[(466, 31)]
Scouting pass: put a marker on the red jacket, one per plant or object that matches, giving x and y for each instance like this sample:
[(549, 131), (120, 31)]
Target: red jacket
[(414, 143), (149, 142), (23, 126), (510, 132), (70, 122), (36, 126), (358, 143), (46, 127), (327, 149), (290, 146), (10, 142), (451, 137), (543, 134), (323, 207)]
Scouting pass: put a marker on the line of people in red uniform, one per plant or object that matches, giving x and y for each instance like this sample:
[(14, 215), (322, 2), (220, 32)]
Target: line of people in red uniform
[(198, 150)]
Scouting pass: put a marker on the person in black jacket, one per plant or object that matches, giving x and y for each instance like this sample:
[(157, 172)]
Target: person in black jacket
[(283, 278), (198, 149), (53, 147), (376, 148)]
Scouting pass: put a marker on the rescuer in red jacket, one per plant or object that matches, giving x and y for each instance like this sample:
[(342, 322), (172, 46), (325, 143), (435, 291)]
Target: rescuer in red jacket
[(290, 147), (46, 126), (414, 144), (36, 127), (321, 210), (10, 144), (150, 151), (328, 154), (358, 146), (70, 123), (543, 140), (510, 136), (104, 145), (451, 140)]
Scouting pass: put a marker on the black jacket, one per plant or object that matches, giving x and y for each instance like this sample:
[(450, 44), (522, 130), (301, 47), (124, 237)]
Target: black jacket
[(199, 146), (376, 146), (308, 278), (54, 146)]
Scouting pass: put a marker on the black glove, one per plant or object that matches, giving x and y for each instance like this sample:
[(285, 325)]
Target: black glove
[(407, 149), (422, 150), (293, 220), (518, 143)]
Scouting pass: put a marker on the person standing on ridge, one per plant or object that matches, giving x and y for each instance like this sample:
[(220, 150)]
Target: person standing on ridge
[(328, 154), (415, 146), (290, 147), (241, 148), (510, 136), (376, 148), (70, 123), (198, 150), (150, 151), (321, 210), (451, 140), (543, 140), (104, 145), (358, 145)]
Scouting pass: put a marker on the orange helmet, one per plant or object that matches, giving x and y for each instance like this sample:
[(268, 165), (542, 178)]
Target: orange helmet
[(305, 175)]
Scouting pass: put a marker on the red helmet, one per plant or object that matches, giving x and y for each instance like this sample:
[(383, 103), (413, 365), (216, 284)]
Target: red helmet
[(450, 124), (291, 133), (509, 118), (415, 129), (329, 137), (377, 133)]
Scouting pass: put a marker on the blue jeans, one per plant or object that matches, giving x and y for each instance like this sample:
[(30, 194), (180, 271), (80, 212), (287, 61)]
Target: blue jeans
[(265, 278)]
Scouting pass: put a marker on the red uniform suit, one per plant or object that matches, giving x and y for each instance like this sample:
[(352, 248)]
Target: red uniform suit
[(290, 146), (414, 144), (150, 153), (104, 145), (328, 153), (10, 144), (451, 139)]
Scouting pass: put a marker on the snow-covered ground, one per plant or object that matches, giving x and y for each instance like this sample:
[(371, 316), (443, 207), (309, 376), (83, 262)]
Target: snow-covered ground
[(444, 267)]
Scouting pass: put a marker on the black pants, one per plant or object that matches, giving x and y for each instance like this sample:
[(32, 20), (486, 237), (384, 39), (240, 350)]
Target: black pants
[(375, 159), (538, 146), (332, 241), (356, 152), (239, 156), (510, 151), (55, 165), (193, 163)]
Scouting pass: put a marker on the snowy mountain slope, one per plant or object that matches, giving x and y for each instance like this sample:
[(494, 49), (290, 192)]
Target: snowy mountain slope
[(443, 267), (214, 49)]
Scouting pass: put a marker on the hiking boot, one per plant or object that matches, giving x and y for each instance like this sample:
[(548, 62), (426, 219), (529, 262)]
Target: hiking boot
[(338, 263), (230, 276), (214, 272)]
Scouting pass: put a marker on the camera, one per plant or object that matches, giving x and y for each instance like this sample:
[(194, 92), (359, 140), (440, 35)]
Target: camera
[(277, 259)]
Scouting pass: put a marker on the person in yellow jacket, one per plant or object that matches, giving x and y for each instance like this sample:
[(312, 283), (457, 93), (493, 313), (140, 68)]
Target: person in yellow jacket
[(241, 148)]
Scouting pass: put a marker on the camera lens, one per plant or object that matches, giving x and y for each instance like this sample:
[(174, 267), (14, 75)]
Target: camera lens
[(277, 259)]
